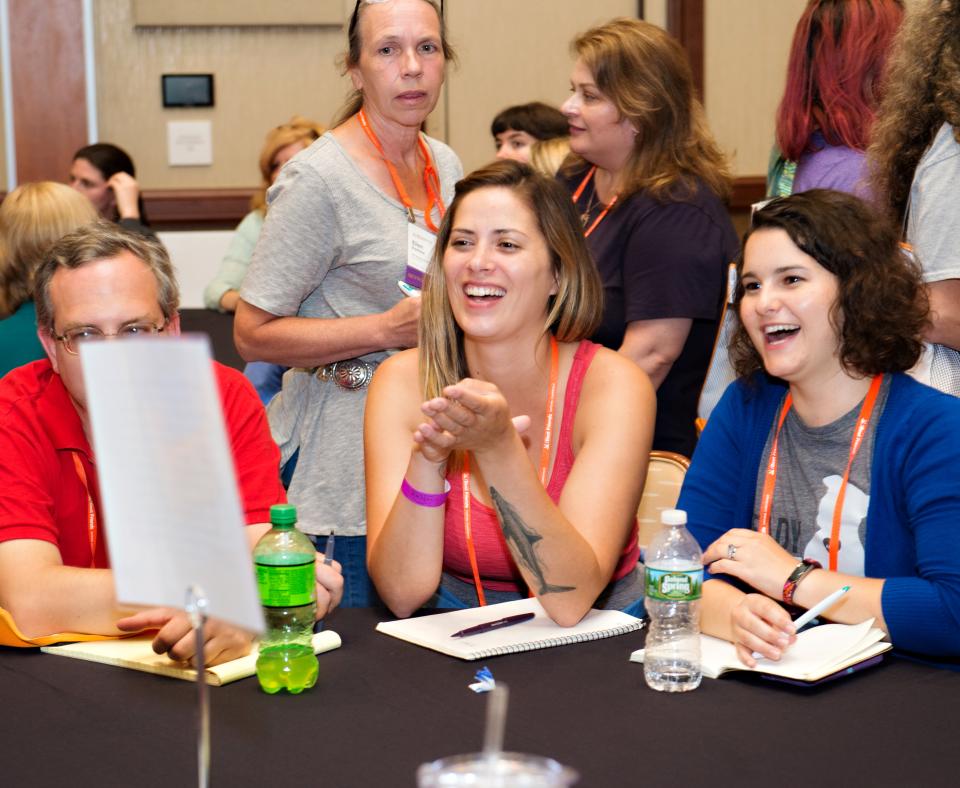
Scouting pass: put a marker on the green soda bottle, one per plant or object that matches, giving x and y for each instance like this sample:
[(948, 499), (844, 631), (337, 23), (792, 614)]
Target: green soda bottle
[(284, 559)]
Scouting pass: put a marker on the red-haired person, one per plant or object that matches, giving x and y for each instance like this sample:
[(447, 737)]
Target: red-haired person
[(834, 85)]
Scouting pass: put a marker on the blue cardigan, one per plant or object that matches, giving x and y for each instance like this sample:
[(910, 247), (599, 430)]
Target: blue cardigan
[(913, 519)]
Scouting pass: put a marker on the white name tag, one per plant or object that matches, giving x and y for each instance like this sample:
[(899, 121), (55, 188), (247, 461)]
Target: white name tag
[(420, 246)]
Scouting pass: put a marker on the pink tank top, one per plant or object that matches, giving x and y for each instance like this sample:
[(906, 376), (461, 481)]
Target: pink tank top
[(498, 572)]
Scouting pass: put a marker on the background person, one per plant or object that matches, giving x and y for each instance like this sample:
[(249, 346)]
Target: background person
[(54, 567), (281, 144), (915, 165), (321, 293), (517, 128), (32, 217), (649, 181), (105, 175), (547, 156), (505, 396), (831, 313), (835, 81)]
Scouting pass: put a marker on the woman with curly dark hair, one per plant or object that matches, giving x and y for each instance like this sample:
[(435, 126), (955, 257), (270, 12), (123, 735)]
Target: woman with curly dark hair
[(826, 466), (915, 166)]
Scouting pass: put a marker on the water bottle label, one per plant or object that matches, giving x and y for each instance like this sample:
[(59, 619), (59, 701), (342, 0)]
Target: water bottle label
[(286, 586), (671, 585)]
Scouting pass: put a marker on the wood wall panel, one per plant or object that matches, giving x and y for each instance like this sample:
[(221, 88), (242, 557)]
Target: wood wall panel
[(47, 77)]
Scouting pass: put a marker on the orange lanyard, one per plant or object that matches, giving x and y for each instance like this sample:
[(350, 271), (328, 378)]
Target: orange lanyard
[(91, 510), (431, 180), (770, 480), (544, 465), (606, 208)]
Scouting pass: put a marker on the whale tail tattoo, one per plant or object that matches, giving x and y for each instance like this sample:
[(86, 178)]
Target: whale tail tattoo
[(521, 539)]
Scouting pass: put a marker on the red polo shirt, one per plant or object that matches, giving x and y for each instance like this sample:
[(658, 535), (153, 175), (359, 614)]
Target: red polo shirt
[(41, 494)]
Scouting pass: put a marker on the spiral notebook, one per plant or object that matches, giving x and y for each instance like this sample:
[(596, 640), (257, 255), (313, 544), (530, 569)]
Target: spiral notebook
[(540, 632)]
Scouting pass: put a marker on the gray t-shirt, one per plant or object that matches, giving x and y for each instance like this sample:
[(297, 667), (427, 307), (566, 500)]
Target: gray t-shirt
[(333, 245), (809, 473), (933, 229)]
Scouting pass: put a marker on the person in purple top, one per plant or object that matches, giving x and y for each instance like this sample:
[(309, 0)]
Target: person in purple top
[(834, 84)]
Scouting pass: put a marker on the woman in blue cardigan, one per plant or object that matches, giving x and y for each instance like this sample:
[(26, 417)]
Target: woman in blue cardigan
[(825, 465)]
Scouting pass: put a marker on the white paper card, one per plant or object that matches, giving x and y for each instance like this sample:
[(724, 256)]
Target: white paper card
[(169, 496), (189, 143)]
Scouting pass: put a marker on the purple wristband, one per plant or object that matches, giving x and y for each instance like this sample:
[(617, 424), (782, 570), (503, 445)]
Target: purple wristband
[(432, 500)]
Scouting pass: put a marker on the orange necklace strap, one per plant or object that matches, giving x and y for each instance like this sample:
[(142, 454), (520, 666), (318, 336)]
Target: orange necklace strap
[(431, 180), (91, 509), (606, 208), (863, 422), (544, 466), (770, 480)]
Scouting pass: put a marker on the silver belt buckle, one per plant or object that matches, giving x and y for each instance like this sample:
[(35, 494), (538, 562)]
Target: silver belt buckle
[(350, 374)]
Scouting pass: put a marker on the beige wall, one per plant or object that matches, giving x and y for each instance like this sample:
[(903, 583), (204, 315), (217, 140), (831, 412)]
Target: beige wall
[(746, 44), (3, 142), (261, 77)]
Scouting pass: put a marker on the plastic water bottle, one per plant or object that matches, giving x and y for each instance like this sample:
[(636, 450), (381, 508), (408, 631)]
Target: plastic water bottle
[(674, 578), (284, 559)]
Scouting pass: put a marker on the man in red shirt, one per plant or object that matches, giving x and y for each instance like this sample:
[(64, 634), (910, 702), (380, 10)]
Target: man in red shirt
[(101, 282)]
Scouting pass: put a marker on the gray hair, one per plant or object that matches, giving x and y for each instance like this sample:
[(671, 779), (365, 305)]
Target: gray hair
[(101, 241)]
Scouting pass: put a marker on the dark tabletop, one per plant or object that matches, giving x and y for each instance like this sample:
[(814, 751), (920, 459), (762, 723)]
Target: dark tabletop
[(382, 706)]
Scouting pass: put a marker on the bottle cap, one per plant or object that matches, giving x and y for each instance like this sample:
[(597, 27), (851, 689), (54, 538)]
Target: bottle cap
[(283, 514), (673, 517)]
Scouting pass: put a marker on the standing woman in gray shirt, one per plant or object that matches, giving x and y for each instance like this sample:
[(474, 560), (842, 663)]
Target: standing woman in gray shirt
[(321, 295)]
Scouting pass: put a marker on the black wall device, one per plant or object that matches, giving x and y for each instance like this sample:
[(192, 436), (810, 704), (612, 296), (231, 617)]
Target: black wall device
[(187, 90)]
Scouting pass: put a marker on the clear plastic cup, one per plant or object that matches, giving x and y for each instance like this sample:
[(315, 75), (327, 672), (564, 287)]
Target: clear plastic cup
[(508, 770)]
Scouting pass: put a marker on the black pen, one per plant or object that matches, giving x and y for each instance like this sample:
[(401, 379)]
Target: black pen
[(479, 629)]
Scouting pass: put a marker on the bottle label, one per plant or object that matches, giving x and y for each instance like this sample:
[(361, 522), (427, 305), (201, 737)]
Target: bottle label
[(286, 586), (672, 585)]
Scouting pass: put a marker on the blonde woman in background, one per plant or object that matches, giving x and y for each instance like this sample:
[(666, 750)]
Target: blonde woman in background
[(547, 156), (32, 218), (281, 144)]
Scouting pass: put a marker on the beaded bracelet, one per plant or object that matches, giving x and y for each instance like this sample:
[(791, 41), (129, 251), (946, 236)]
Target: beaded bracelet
[(421, 498)]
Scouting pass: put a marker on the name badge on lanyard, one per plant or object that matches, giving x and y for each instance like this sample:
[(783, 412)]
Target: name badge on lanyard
[(420, 246)]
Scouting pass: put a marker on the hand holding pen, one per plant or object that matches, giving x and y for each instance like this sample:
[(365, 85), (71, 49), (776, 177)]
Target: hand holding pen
[(329, 581)]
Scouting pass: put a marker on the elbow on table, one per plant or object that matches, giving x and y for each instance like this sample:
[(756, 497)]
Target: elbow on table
[(33, 616)]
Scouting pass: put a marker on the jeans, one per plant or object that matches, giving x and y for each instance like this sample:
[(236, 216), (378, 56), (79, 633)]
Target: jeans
[(351, 553)]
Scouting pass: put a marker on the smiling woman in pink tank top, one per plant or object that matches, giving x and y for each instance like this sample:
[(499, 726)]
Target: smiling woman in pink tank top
[(505, 456)]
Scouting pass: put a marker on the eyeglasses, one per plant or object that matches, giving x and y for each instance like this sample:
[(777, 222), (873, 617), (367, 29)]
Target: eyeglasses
[(75, 337)]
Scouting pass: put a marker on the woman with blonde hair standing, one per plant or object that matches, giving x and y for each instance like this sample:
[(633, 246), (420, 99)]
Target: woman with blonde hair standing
[(649, 182), (494, 466), (281, 144), (32, 217), (348, 218)]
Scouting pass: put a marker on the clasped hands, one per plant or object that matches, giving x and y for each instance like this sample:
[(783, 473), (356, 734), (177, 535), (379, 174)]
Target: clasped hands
[(759, 624), (472, 415), (222, 641)]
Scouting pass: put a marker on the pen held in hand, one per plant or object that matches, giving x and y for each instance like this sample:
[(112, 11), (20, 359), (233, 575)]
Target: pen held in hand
[(328, 551), (818, 608), (489, 626), (825, 603)]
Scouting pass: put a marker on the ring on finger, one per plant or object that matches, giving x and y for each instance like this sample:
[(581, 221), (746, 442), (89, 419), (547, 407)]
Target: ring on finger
[(732, 552)]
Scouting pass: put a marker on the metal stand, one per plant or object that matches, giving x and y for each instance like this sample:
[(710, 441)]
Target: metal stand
[(196, 608)]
